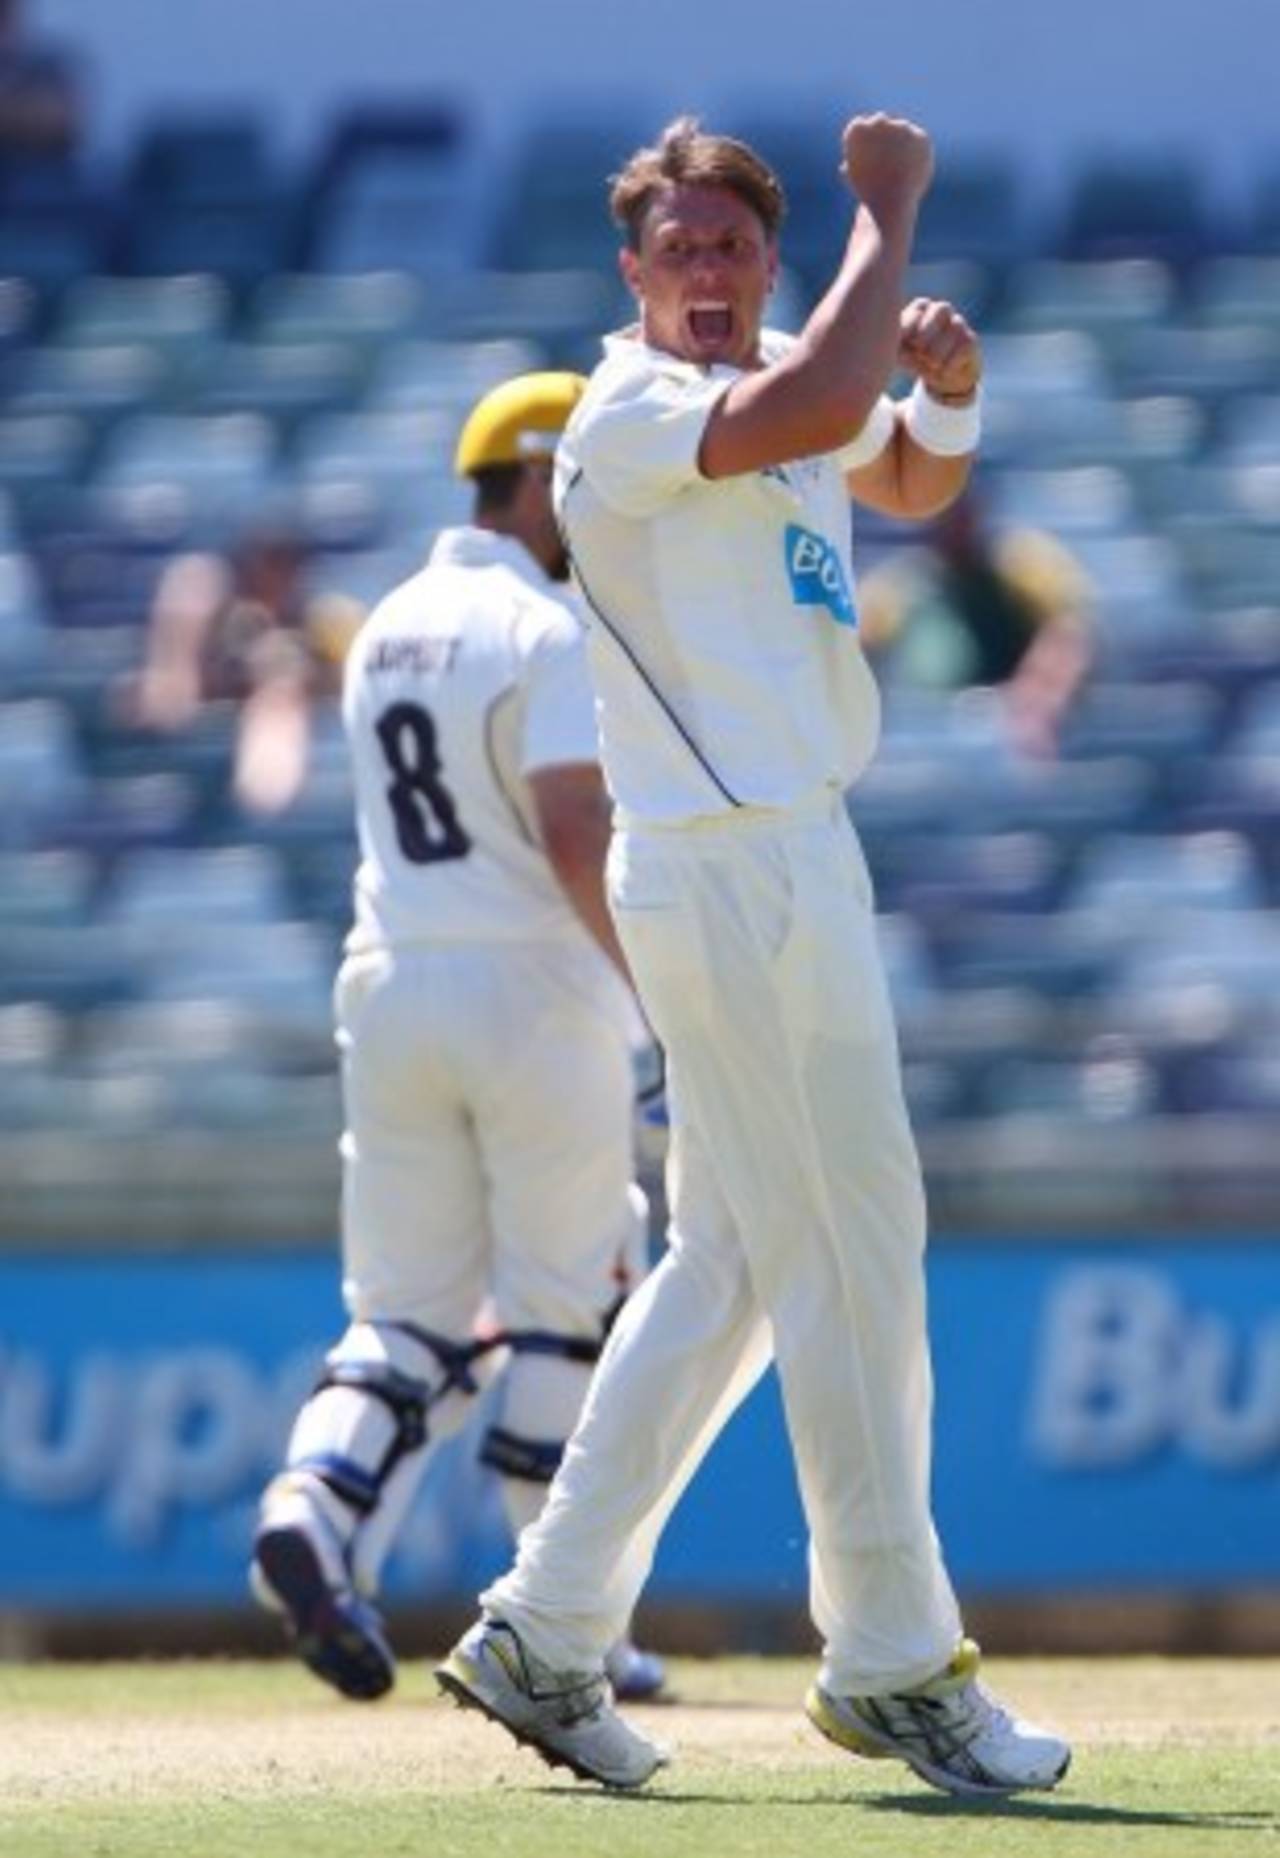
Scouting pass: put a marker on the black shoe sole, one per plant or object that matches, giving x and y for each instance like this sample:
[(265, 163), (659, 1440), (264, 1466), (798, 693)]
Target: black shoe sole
[(341, 1651)]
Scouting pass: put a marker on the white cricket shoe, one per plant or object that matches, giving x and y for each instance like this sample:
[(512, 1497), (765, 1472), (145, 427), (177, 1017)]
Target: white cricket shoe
[(566, 1716), (950, 1730)]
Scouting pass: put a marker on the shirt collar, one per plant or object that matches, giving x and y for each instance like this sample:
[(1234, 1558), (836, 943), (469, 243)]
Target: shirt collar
[(470, 547)]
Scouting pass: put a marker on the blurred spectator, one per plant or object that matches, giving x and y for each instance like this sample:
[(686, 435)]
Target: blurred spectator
[(40, 92), (975, 605), (246, 631)]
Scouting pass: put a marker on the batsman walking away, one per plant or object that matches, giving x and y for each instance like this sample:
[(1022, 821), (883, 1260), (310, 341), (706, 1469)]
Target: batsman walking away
[(486, 1026), (703, 485)]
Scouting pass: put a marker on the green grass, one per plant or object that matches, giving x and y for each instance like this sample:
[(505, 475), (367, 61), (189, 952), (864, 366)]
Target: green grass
[(239, 1760)]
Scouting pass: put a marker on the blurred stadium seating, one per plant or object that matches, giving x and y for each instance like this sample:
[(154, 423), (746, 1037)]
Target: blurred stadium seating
[(1075, 944)]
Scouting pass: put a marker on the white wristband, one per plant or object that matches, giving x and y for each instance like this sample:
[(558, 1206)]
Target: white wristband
[(877, 430), (946, 431)]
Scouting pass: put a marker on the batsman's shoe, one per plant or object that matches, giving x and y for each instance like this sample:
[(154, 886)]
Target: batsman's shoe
[(566, 1716), (337, 1634), (950, 1730), (637, 1676)]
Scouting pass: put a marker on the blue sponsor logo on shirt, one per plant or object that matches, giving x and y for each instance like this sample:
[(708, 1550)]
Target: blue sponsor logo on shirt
[(817, 577)]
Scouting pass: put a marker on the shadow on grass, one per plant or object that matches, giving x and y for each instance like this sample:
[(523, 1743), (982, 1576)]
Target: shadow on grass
[(1072, 1812), (947, 1806)]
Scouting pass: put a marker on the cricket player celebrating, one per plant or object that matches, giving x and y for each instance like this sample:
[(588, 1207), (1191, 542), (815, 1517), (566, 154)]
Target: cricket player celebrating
[(485, 1021), (703, 484)]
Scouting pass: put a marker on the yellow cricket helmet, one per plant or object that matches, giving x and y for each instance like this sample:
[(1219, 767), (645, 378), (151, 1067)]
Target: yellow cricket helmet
[(521, 419)]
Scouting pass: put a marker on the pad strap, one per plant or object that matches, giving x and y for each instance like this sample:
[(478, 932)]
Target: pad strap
[(534, 1461), (407, 1399)]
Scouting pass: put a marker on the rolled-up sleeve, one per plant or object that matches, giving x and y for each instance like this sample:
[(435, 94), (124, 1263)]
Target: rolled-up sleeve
[(560, 711), (881, 424), (638, 445)]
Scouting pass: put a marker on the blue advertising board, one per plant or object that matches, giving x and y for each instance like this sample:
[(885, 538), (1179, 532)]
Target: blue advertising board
[(1108, 1416)]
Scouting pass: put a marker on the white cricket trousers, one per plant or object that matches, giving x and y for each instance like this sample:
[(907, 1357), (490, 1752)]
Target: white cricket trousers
[(487, 1150), (797, 1229)]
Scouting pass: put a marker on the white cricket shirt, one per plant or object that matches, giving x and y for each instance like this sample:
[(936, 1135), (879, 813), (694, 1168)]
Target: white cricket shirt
[(465, 678), (723, 625)]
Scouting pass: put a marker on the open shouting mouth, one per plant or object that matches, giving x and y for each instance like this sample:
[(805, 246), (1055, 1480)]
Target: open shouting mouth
[(709, 325)]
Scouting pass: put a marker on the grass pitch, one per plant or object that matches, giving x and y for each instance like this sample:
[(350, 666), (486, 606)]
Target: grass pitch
[(244, 1760)]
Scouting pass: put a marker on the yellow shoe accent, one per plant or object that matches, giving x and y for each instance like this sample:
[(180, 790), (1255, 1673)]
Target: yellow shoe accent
[(825, 1720), (962, 1668)]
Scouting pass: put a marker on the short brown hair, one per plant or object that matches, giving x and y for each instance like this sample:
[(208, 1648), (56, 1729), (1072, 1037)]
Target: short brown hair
[(686, 155)]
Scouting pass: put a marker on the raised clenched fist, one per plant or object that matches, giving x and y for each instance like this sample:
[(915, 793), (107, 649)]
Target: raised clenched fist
[(936, 344), (888, 161)]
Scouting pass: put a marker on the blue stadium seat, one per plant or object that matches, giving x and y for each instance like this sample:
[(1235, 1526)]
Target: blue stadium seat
[(240, 241), (415, 375), (176, 315), (44, 888), (283, 972), (1098, 297), (1115, 1084), (195, 1035), (70, 967), (42, 778), (1228, 561), (1122, 206), (1166, 723), (1051, 430), (217, 471), (393, 470), (1235, 1079), (365, 575), (33, 1036), (969, 284), (202, 156), (1215, 362), (554, 212), (48, 245), (97, 385), (973, 210), (233, 886), (1062, 362), (19, 313), (124, 812), (41, 452), (939, 875), (1061, 957), (566, 312), (1264, 224), (1238, 289), (1196, 974), (1142, 589), (908, 964), (286, 380), (398, 189), (24, 638), (1070, 799), (1093, 499), (1138, 876), (371, 308), (1251, 428), (938, 1091)]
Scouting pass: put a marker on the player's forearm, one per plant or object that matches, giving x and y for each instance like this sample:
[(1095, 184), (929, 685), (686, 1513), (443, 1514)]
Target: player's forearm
[(848, 349), (819, 396), (926, 483), (580, 874)]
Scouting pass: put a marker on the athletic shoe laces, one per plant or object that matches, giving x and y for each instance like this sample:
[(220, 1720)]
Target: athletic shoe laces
[(972, 1712)]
